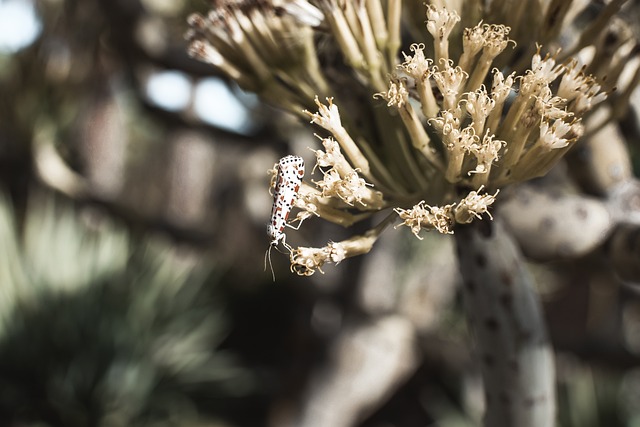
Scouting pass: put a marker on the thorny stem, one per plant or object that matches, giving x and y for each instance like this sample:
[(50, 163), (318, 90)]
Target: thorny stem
[(504, 314)]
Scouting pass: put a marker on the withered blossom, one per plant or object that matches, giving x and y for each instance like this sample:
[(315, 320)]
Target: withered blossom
[(430, 138)]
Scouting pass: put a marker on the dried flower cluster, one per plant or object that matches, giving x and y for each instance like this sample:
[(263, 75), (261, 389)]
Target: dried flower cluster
[(461, 122)]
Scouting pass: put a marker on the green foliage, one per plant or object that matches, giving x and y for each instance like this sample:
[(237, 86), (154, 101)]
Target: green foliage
[(99, 329)]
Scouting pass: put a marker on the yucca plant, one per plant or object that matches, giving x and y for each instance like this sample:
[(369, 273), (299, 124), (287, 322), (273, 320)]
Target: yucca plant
[(101, 328)]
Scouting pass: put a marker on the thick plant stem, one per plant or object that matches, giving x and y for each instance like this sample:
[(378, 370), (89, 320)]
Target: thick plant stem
[(504, 314)]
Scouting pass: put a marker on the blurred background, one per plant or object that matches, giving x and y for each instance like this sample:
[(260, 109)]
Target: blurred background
[(133, 292)]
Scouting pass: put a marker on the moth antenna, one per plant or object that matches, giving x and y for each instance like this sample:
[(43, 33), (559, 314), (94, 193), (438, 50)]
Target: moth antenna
[(267, 255)]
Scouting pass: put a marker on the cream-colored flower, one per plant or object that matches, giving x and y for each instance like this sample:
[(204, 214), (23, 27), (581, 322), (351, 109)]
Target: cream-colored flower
[(552, 134), (479, 105), (327, 116), (486, 153), (450, 81), (463, 113), (440, 23), (474, 206), (417, 66), (397, 95), (423, 216)]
